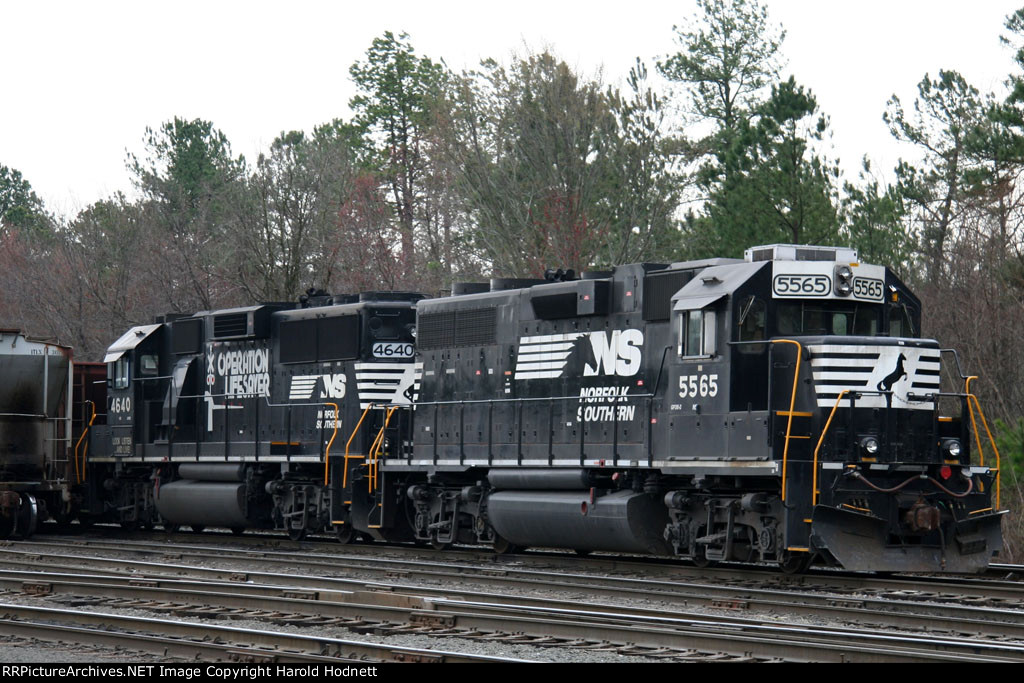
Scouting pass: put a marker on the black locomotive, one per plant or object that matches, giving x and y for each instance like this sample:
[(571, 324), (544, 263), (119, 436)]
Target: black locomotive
[(773, 409)]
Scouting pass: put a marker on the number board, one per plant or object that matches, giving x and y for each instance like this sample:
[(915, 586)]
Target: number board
[(868, 288), (392, 350), (805, 285)]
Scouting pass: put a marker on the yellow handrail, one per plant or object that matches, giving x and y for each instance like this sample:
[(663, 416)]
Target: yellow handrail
[(792, 403), (344, 476), (327, 453), (974, 424), (375, 449), (821, 439), (80, 472), (981, 454)]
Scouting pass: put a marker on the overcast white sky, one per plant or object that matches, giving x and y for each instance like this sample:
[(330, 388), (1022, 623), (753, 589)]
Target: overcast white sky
[(82, 80)]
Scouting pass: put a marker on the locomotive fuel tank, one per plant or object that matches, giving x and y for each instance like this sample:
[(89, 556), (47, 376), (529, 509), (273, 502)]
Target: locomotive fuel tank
[(623, 521)]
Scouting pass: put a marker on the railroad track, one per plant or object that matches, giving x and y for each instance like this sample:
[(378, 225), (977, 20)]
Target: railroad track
[(202, 640), (602, 577), (970, 631), (648, 633), (1002, 582)]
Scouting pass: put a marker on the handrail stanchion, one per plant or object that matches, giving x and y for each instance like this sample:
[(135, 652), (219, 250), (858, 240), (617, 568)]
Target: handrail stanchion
[(821, 439), (792, 404)]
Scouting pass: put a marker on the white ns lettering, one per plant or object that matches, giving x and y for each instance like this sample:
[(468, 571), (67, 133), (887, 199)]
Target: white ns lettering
[(619, 355)]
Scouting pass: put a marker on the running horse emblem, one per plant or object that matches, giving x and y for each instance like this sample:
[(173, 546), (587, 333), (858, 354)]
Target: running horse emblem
[(895, 376)]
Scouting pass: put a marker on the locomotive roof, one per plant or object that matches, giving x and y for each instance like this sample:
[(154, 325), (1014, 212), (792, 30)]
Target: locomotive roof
[(705, 263), (336, 309), (713, 283), (128, 341)]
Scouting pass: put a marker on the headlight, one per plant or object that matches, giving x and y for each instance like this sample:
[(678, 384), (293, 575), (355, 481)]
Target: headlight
[(951, 448), (844, 280), (869, 445)]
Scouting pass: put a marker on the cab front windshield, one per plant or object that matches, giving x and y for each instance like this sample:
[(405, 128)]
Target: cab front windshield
[(829, 318)]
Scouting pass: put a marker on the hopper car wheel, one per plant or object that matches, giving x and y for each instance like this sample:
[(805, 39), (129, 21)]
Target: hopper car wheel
[(345, 533), (8, 525), (198, 528), (296, 534), (28, 515), (440, 545), (701, 559), (795, 563), (503, 546), (238, 530), (171, 528), (129, 524), (63, 519)]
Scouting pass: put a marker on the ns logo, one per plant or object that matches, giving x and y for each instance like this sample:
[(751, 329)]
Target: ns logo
[(302, 386), (617, 354)]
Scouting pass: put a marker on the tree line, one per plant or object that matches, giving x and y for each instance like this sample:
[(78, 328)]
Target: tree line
[(517, 166)]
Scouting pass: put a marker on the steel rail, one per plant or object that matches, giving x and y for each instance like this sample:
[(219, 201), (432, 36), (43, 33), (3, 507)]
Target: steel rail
[(888, 612), (569, 623), (669, 574), (281, 645)]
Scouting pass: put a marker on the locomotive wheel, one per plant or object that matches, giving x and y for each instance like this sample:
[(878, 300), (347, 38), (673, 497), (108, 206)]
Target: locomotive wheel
[(345, 533), (795, 563), (28, 516)]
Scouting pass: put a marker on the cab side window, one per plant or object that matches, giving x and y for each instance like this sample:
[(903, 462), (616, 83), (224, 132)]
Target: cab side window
[(148, 365), (696, 333), (117, 373), (751, 324), (900, 322)]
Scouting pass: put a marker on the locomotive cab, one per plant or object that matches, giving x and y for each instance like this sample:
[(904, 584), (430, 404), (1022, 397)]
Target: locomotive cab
[(876, 458)]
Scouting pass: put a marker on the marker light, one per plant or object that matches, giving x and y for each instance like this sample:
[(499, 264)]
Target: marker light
[(869, 445)]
